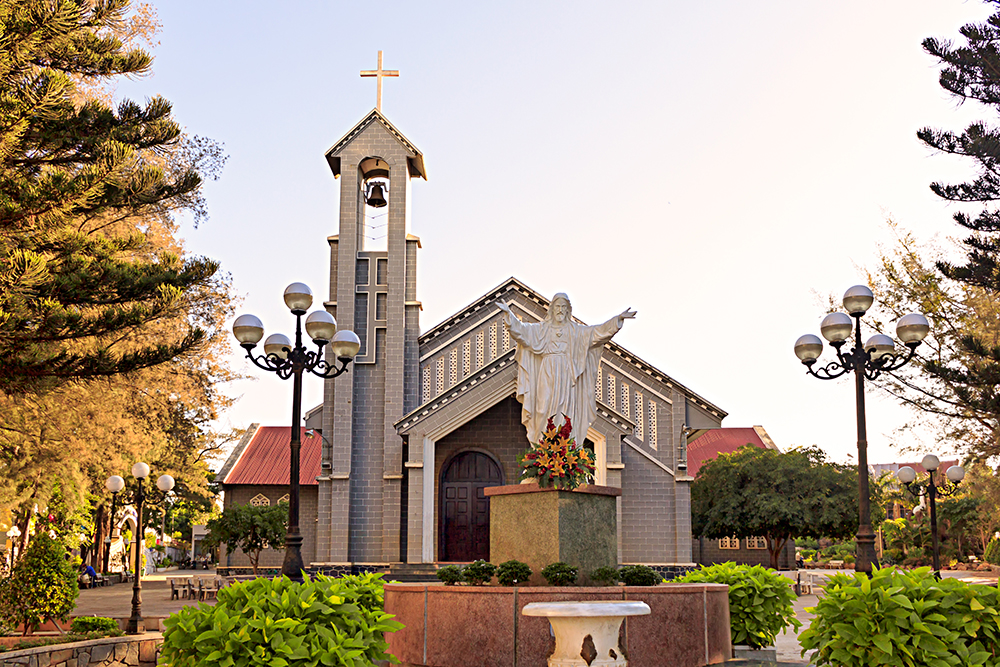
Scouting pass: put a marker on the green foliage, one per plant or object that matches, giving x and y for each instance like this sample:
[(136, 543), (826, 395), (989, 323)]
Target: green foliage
[(904, 618), (639, 575), (41, 586), (606, 575), (450, 575), (281, 623), (248, 528), (992, 553), (559, 574), (781, 496), (513, 572), (479, 572), (74, 287), (84, 624), (760, 600)]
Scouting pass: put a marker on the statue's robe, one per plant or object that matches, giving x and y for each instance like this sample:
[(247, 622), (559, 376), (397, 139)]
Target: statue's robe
[(556, 374)]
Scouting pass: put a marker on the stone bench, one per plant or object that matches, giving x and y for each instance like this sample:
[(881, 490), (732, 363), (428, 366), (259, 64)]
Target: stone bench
[(573, 623)]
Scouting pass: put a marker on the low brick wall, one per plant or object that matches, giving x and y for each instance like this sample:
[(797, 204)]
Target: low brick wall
[(137, 651)]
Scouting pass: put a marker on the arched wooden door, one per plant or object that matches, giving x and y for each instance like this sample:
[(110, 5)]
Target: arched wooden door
[(465, 509)]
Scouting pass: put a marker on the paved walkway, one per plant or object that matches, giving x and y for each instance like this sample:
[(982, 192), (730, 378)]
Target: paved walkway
[(116, 601)]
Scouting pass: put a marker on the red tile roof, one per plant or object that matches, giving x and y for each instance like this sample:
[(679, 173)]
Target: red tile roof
[(265, 459), (724, 441)]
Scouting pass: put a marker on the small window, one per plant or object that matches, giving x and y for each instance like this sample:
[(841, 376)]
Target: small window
[(260, 500), (283, 499), (756, 543), (729, 543)]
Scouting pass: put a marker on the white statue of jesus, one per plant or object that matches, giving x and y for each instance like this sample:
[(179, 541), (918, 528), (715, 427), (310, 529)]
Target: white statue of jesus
[(557, 363)]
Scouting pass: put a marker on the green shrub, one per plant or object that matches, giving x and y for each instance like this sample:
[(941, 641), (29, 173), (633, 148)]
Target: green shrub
[(992, 553), (513, 572), (904, 618), (479, 572), (760, 600), (605, 575), (83, 624), (639, 575), (281, 623), (41, 586), (559, 574), (449, 575)]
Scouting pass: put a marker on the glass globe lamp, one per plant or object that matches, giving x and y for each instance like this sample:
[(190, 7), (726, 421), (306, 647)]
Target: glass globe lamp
[(278, 345), (906, 475), (114, 484), (912, 329), (298, 298), (165, 483), (808, 348), (248, 330), (140, 470), (930, 463), (955, 474), (880, 345), (345, 344), (858, 299), (836, 327), (320, 326)]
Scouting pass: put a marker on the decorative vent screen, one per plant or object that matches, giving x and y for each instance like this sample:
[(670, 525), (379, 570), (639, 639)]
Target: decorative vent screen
[(260, 500)]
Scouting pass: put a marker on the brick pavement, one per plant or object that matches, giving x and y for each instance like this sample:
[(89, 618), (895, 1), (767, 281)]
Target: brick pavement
[(116, 601)]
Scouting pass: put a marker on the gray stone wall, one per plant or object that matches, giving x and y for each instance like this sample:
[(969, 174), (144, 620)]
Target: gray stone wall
[(648, 511), (111, 652), (308, 497)]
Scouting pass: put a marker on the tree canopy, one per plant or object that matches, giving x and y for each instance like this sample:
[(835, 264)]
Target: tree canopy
[(114, 338), (960, 366), (75, 285), (249, 528), (780, 496)]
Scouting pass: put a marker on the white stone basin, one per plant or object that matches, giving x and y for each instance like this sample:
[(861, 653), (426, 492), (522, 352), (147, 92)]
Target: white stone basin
[(573, 622)]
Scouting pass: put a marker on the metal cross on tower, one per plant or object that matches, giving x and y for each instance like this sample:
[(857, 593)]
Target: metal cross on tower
[(378, 74)]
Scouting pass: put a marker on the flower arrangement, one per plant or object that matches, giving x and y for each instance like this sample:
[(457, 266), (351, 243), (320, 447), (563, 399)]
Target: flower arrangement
[(557, 460)]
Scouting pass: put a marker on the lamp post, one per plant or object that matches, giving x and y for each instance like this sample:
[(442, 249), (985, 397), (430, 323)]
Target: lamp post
[(288, 361), (878, 355), (114, 484), (908, 475), (140, 471)]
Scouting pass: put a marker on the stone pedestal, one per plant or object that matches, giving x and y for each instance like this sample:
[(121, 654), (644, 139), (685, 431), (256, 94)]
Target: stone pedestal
[(541, 526)]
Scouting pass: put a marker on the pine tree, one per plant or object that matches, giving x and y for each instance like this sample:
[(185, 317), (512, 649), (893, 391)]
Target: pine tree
[(74, 281)]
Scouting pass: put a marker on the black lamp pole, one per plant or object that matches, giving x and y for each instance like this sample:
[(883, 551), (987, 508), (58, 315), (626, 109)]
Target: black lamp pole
[(135, 623), (908, 475), (291, 361), (869, 360)]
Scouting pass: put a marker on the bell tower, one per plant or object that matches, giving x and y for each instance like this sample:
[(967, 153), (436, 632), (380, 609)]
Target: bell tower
[(373, 292)]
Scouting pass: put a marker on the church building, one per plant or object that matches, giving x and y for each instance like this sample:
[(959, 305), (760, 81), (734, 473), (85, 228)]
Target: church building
[(405, 443)]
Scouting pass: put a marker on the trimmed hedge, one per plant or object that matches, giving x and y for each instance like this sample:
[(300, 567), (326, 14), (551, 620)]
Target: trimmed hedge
[(281, 623), (900, 617)]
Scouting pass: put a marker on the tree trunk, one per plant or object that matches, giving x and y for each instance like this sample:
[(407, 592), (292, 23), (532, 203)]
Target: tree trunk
[(97, 555), (774, 548)]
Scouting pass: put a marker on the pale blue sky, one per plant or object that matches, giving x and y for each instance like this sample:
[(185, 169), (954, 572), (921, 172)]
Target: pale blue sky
[(713, 165)]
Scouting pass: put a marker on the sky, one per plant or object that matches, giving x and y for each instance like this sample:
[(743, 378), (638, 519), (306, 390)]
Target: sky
[(721, 167)]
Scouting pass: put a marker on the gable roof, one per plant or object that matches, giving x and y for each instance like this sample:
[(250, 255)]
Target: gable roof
[(261, 459), (724, 441), (415, 163), (442, 334)]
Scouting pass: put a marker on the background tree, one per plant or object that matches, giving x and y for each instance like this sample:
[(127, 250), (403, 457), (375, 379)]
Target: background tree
[(959, 372), (41, 586), (72, 285), (250, 529), (90, 254), (781, 496)]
